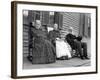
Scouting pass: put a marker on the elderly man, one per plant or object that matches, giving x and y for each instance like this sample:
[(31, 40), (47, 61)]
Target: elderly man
[(75, 43)]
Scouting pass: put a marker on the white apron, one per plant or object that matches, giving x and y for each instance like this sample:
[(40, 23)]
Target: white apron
[(62, 49)]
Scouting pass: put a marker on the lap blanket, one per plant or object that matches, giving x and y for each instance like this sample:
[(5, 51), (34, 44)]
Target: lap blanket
[(62, 49)]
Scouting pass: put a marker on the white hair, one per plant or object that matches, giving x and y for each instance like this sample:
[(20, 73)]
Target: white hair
[(71, 28), (38, 21)]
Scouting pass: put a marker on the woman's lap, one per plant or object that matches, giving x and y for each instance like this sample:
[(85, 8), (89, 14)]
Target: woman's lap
[(43, 52)]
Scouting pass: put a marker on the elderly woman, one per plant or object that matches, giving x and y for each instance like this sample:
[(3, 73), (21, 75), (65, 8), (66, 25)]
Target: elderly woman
[(43, 50), (63, 50)]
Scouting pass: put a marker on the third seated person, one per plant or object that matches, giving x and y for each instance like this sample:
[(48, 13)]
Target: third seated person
[(75, 43)]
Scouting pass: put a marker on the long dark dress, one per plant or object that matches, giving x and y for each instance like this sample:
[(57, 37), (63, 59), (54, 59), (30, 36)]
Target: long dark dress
[(43, 50), (53, 35)]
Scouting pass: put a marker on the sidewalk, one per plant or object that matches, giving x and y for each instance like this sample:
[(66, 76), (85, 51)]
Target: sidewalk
[(74, 62)]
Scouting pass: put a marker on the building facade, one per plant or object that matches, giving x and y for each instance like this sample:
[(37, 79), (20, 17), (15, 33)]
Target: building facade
[(81, 23)]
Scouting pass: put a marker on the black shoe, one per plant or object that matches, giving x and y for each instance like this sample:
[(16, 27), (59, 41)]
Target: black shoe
[(87, 58), (66, 58), (82, 58), (57, 58), (61, 58)]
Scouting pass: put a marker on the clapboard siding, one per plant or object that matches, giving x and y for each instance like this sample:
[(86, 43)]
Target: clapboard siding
[(70, 19)]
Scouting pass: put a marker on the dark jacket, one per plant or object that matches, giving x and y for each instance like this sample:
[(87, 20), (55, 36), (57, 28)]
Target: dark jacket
[(54, 34), (70, 39)]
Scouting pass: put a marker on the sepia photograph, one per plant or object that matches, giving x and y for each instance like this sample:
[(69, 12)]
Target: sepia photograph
[(53, 39)]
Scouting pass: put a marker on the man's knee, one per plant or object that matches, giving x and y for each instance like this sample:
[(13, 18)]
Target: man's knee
[(84, 44), (78, 43)]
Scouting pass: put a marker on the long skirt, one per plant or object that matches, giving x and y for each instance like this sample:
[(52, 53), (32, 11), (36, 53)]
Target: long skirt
[(62, 49), (43, 52)]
